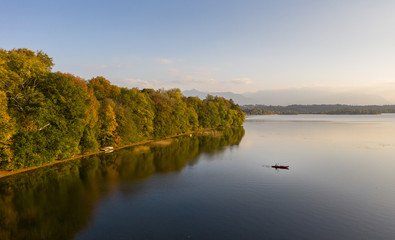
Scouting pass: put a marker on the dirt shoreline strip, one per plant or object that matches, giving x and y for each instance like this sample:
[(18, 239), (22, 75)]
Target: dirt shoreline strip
[(5, 173)]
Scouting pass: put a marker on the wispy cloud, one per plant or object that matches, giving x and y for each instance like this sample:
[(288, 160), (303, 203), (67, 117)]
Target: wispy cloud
[(173, 71), (206, 71), (132, 82), (203, 76), (95, 66), (242, 81), (191, 80), (102, 66), (165, 61)]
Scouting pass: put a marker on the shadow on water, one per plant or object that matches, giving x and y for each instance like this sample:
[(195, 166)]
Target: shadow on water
[(57, 202)]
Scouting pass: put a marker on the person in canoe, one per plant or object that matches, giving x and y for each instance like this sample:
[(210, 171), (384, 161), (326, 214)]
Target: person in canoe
[(279, 166)]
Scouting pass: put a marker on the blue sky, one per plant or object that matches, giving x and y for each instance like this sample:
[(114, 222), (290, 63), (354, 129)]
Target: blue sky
[(213, 45)]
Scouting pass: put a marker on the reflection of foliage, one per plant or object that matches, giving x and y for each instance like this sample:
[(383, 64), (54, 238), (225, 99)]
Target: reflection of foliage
[(42, 201), (47, 116), (57, 202)]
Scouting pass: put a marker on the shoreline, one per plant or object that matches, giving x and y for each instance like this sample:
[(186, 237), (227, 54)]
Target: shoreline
[(7, 173)]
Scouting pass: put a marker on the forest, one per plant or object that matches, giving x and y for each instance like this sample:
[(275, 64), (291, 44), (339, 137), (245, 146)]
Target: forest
[(47, 116), (317, 109)]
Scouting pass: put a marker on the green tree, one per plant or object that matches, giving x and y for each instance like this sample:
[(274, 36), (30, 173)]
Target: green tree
[(21, 71), (108, 124), (179, 110), (103, 88), (7, 129), (164, 120), (142, 111)]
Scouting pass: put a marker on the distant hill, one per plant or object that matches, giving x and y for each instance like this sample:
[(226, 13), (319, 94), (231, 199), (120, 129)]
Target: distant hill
[(237, 98), (301, 96)]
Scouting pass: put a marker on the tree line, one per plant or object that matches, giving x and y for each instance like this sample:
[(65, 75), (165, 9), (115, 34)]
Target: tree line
[(317, 109), (46, 116)]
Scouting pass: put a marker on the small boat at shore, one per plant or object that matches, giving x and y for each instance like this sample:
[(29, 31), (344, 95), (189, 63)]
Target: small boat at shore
[(281, 167), (107, 149)]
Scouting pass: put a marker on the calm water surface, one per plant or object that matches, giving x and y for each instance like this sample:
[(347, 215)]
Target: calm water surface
[(340, 185)]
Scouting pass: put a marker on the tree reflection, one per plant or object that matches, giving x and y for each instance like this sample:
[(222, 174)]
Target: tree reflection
[(57, 202)]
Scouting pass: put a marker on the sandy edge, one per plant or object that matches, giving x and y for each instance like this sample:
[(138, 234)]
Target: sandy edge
[(5, 173)]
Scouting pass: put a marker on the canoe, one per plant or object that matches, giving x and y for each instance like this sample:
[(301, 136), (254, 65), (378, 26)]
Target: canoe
[(282, 167), (107, 149)]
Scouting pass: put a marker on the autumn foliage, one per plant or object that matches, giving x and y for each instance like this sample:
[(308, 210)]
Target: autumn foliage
[(46, 116)]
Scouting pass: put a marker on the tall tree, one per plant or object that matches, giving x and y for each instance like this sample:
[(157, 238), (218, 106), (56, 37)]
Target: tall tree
[(21, 71), (103, 88), (108, 124), (7, 129)]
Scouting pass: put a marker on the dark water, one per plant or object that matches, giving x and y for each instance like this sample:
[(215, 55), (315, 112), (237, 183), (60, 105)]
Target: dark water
[(340, 185)]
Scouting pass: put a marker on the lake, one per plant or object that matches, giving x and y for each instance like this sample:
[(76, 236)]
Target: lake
[(220, 185)]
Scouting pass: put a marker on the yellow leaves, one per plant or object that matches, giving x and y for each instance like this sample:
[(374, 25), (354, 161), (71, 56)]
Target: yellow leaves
[(7, 130), (23, 68), (5, 119), (28, 124), (108, 124), (110, 119)]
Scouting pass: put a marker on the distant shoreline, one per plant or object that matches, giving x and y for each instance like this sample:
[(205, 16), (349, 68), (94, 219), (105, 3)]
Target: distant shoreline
[(317, 114), (330, 109)]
